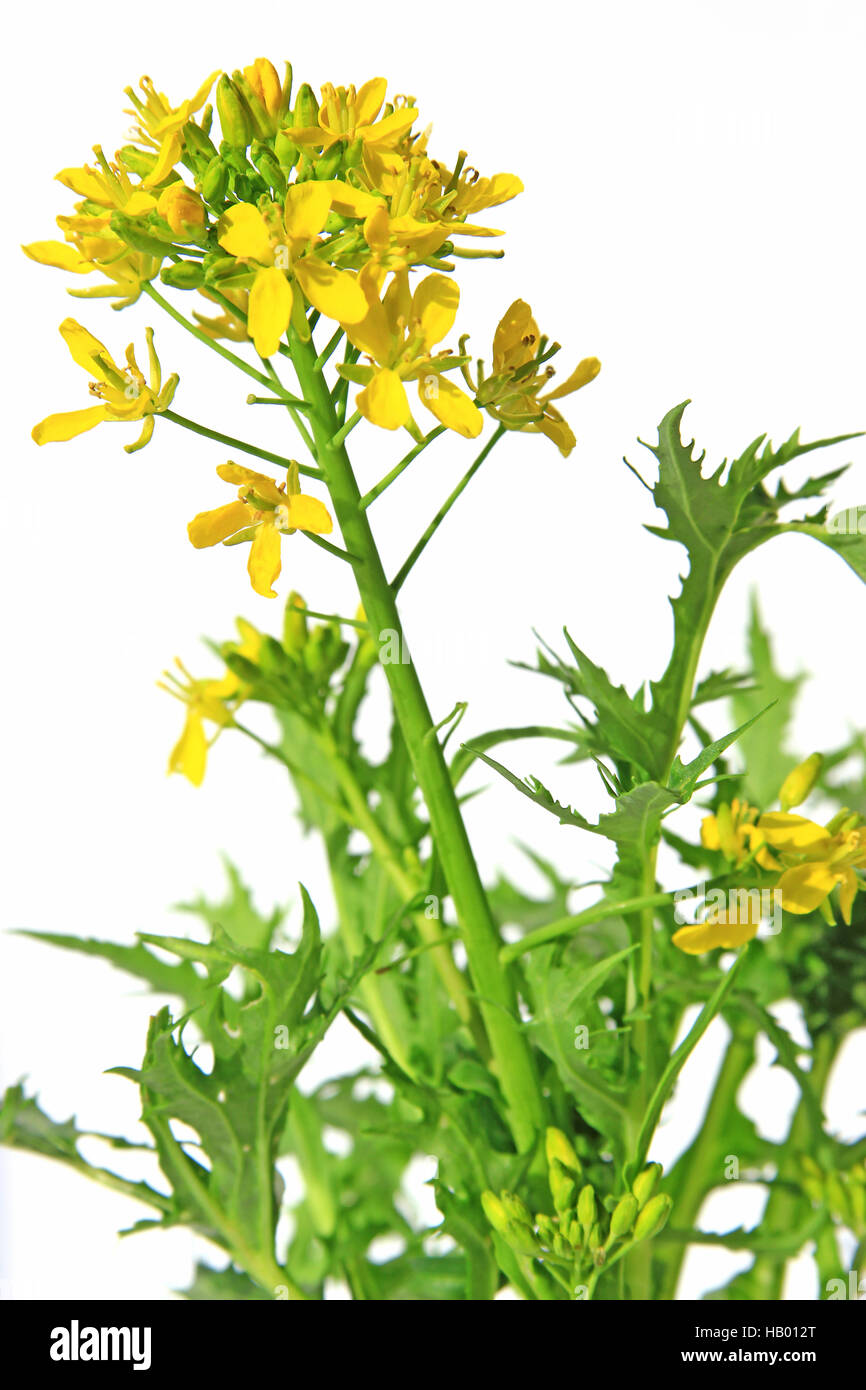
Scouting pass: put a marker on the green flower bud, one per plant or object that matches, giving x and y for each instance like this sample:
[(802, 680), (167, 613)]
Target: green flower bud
[(653, 1217), (328, 165), (546, 1229), (522, 1239), (623, 1216), (516, 1208), (558, 1146), (197, 143), (495, 1212), (184, 275), (286, 150), (563, 1188), (561, 1247), (294, 624), (586, 1207), (132, 231), (213, 183), (646, 1183), (235, 121), (268, 166), (574, 1233), (306, 112)]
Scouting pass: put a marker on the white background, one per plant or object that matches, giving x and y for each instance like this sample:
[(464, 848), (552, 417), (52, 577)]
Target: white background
[(693, 215)]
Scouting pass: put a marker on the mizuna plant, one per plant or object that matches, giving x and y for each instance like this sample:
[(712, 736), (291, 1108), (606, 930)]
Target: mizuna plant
[(324, 238)]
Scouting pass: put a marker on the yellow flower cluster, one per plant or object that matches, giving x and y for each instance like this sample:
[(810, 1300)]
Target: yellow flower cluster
[(809, 862), (214, 701), (310, 204)]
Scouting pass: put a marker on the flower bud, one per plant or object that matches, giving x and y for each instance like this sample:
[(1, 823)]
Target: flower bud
[(561, 1247), (140, 162), (557, 1146), (214, 181), (586, 1207), (623, 1216), (182, 210), (268, 166), (646, 1183), (495, 1212), (653, 1217), (235, 121), (294, 624), (184, 275), (198, 143), (286, 150), (306, 112), (516, 1208), (563, 1188), (799, 783)]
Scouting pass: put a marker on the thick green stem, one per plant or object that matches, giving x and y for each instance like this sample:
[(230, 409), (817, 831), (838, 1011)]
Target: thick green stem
[(511, 1052)]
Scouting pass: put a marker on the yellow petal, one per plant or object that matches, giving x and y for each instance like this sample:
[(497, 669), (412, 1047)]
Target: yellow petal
[(583, 373), (55, 429), (555, 428), (84, 182), (349, 201), (368, 102), (434, 307), (848, 886), (335, 293), (260, 483), (243, 232), (793, 834), (59, 254), (169, 154), (708, 936), (264, 563), (805, 887), (209, 528), (387, 132), (189, 755), (516, 338), (451, 406), (304, 513), (139, 204), (84, 348), (384, 402), (307, 208), (270, 310)]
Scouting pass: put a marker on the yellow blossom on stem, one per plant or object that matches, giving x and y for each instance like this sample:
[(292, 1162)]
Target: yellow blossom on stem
[(733, 831), (123, 393), (726, 928), (347, 114), (398, 332), (515, 394), (263, 513), (214, 701), (816, 859), (160, 124), (279, 247)]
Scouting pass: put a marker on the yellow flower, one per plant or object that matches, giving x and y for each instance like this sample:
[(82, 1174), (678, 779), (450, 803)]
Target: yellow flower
[(263, 513), (161, 124), (733, 831), (515, 394), (727, 928), (213, 700), (123, 393), (277, 244), (816, 859), (347, 114), (398, 333)]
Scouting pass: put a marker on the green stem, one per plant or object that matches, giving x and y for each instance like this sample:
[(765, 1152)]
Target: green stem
[(511, 1052), (565, 926), (398, 468), (241, 444), (211, 342), (402, 573)]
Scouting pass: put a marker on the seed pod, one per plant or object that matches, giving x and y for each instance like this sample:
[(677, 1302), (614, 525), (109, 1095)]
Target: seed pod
[(653, 1217), (646, 1183), (623, 1216)]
